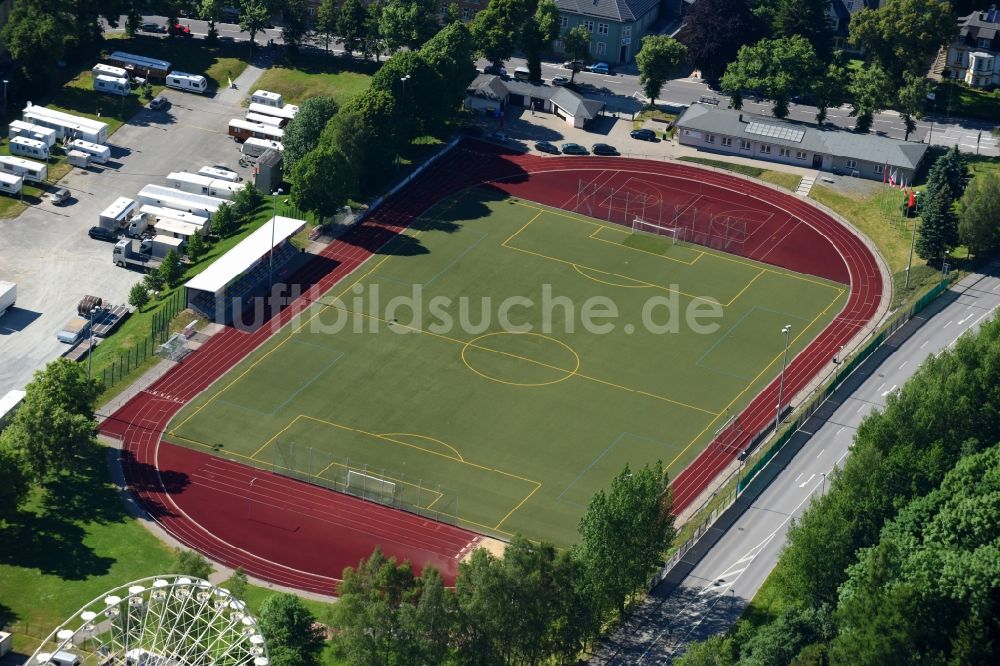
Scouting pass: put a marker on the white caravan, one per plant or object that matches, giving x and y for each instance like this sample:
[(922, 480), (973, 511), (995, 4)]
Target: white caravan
[(99, 154), (195, 83), (25, 147)]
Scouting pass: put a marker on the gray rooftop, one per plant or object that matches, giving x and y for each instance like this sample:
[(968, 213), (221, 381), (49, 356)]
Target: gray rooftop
[(622, 11), (488, 86), (825, 139), (575, 105)]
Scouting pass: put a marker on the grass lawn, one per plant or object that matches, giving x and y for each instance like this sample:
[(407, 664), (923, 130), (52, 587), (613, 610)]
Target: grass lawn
[(216, 63), (11, 206), (789, 181), (459, 417), (70, 544), (960, 100), (319, 75)]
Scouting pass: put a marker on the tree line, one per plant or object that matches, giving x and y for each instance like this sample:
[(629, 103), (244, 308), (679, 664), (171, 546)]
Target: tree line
[(784, 49), (897, 563)]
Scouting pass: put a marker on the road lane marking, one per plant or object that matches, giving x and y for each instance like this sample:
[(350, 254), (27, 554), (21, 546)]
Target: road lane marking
[(840, 431), (803, 484), (926, 342), (820, 453), (903, 364), (950, 322), (889, 391)]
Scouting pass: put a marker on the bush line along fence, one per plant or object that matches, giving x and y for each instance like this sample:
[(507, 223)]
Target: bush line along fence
[(159, 331), (743, 478)]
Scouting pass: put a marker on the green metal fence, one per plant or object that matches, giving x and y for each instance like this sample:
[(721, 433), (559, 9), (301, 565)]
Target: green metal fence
[(159, 330)]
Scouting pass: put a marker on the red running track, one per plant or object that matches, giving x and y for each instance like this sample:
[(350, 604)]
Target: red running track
[(299, 535)]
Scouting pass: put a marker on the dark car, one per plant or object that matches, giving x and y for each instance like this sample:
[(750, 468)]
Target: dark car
[(643, 134), (495, 70), (599, 68), (604, 149), (152, 27), (573, 149), (100, 233), (547, 147), (575, 65)]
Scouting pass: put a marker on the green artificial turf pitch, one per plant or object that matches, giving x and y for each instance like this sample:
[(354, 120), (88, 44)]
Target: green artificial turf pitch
[(501, 431)]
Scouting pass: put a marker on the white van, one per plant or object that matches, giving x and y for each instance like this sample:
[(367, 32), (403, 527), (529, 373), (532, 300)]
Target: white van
[(521, 74), (195, 83), (22, 145)]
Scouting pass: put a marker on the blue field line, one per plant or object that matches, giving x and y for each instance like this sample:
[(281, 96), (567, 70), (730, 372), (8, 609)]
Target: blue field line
[(729, 331), (447, 267), (597, 459)]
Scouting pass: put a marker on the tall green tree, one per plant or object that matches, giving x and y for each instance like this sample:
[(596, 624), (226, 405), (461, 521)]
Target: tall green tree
[(660, 55), (904, 35), (303, 131), (192, 563), (352, 26), (426, 622), (366, 132), (327, 18), (295, 26), (949, 172), (449, 54), (577, 45), (15, 477), (153, 280), (831, 89), (138, 296), (54, 427), (408, 23), (293, 637), (497, 28), (254, 16), (778, 68), (910, 100), (171, 268), (979, 214), (624, 533), (211, 11), (714, 31), (537, 34), (322, 181), (225, 222), (196, 247), (806, 18), (418, 98), (871, 87), (36, 35)]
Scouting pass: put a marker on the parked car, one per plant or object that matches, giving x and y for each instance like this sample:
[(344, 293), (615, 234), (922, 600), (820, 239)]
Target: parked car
[(59, 197), (178, 30), (575, 65), (500, 136), (159, 102), (643, 134), (560, 80), (604, 149), (547, 147), (599, 68), (495, 71), (152, 27), (573, 149), (472, 130), (100, 233)]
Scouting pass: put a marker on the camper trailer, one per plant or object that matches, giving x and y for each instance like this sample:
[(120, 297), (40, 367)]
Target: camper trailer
[(140, 65), (267, 98), (241, 130), (177, 229), (30, 131), (109, 70), (195, 83), (33, 172), (116, 216), (26, 147), (253, 148), (161, 213), (78, 158), (286, 112), (220, 174), (10, 184), (199, 184), (261, 119), (112, 85), (168, 197), (67, 125), (99, 154)]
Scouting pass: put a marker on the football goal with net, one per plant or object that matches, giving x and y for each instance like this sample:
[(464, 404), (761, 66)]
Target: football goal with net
[(644, 226), (370, 487)]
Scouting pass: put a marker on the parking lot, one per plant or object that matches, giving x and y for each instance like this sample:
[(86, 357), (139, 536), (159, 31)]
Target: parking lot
[(46, 250)]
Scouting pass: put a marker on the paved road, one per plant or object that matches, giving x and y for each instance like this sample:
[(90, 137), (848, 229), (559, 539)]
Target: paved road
[(721, 584)]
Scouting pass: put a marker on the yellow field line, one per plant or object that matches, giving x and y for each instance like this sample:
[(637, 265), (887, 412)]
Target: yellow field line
[(253, 456), (641, 285), (740, 293), (433, 439), (594, 235), (519, 504)]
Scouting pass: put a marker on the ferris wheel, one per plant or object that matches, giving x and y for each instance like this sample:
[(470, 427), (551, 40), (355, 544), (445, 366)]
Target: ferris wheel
[(167, 620)]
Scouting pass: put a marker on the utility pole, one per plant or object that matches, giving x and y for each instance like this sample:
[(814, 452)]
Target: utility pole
[(786, 329)]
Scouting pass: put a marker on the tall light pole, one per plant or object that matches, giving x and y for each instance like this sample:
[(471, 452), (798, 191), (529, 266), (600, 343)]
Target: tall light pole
[(909, 261), (5, 82), (402, 97), (270, 258), (786, 329), (90, 351)]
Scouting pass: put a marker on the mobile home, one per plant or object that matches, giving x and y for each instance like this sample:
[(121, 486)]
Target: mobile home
[(25, 147), (286, 112), (67, 125), (261, 119), (10, 184), (195, 83), (78, 158), (33, 172), (220, 174), (177, 229), (30, 131), (168, 197), (99, 154), (241, 130), (267, 98), (254, 147), (116, 216), (140, 64), (109, 70), (112, 85), (199, 184), (161, 213)]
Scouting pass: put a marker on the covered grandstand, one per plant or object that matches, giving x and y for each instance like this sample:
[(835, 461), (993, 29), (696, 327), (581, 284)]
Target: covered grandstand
[(227, 287)]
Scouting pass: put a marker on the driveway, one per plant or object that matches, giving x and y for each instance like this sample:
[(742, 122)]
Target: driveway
[(46, 250)]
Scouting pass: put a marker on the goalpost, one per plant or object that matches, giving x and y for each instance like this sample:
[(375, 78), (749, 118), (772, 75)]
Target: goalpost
[(370, 487), (640, 225)]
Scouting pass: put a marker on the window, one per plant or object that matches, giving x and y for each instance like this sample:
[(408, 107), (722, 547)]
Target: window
[(744, 144), (783, 152), (853, 164), (627, 31), (602, 28), (465, 13), (590, 26), (765, 149), (984, 43), (709, 138), (601, 47), (727, 141), (563, 21)]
